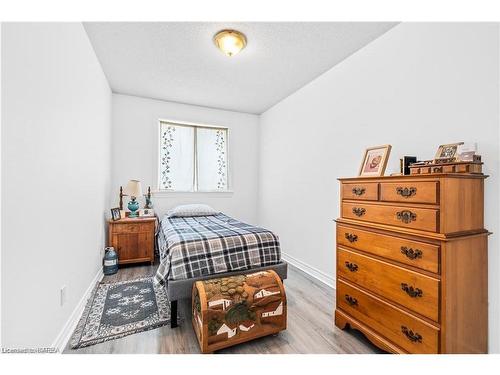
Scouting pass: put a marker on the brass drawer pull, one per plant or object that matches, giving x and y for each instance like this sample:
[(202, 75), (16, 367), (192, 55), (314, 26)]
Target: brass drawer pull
[(405, 216), (411, 291), (351, 237), (358, 211), (358, 191), (351, 300), (353, 267), (410, 335), (406, 192), (410, 253)]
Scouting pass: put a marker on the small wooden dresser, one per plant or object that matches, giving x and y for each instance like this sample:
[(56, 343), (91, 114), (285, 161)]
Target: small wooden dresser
[(133, 239), (412, 269)]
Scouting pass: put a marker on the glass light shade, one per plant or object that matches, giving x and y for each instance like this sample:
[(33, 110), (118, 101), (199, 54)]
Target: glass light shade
[(230, 41), (133, 189)]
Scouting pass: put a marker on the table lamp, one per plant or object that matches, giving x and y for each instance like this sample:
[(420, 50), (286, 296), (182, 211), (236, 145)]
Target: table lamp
[(134, 190)]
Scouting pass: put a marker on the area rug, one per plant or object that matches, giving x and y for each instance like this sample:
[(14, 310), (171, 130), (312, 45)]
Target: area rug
[(119, 309)]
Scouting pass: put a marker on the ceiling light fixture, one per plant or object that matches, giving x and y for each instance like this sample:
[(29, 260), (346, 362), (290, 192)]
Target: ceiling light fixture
[(230, 41)]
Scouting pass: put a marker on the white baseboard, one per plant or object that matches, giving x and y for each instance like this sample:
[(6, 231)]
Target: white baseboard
[(310, 270), (63, 337)]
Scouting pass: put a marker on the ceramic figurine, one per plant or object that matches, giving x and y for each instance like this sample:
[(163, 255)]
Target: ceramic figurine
[(148, 204)]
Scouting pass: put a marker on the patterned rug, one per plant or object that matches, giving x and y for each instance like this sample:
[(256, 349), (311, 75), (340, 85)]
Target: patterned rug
[(121, 308)]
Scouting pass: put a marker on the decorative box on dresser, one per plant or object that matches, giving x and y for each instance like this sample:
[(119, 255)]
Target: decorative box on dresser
[(412, 268), (133, 239)]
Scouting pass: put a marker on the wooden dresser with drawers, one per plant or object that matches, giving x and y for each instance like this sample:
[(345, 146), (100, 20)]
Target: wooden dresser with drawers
[(412, 266)]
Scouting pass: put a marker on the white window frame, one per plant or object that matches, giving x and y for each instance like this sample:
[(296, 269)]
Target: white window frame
[(159, 190)]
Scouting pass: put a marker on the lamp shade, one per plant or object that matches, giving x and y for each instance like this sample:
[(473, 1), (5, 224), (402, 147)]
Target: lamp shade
[(133, 188)]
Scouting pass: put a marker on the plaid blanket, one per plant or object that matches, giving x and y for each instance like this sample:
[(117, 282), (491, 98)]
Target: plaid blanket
[(205, 245)]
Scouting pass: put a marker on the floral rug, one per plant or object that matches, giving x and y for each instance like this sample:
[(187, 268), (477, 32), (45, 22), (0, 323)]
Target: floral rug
[(119, 309)]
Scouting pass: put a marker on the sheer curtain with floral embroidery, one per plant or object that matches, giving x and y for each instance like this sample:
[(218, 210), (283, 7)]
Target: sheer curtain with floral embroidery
[(193, 158)]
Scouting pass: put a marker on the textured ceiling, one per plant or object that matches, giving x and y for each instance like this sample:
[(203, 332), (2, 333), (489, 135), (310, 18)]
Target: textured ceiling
[(177, 61)]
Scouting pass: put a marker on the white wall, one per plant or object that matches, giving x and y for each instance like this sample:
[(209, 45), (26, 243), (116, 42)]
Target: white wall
[(135, 150), (56, 134), (417, 86)]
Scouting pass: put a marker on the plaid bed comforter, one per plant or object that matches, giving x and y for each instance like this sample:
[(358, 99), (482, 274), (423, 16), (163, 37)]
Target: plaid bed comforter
[(205, 245)]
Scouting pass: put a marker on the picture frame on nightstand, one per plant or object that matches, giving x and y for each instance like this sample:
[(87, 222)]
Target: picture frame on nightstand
[(146, 212), (115, 214)]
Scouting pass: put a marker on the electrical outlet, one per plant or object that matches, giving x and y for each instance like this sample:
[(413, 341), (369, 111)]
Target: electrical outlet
[(63, 295)]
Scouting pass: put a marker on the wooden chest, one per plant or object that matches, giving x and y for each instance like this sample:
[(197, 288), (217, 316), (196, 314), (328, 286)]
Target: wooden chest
[(133, 239), (412, 271), (231, 310)]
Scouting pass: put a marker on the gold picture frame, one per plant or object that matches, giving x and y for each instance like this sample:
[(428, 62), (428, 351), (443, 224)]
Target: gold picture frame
[(375, 161), (447, 153)]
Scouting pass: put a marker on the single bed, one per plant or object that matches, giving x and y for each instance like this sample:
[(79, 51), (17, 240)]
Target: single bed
[(200, 247)]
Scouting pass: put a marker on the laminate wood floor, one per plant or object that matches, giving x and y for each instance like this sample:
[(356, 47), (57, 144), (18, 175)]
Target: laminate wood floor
[(310, 326)]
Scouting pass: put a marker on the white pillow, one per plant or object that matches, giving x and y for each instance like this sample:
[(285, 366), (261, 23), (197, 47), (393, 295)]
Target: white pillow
[(187, 210)]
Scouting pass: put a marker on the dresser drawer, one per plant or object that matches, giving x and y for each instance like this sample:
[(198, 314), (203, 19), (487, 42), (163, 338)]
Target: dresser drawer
[(403, 329), (413, 253), (416, 192), (367, 191), (407, 217), (413, 290), (132, 228)]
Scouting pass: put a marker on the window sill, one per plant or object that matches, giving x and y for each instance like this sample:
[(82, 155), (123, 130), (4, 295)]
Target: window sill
[(159, 193)]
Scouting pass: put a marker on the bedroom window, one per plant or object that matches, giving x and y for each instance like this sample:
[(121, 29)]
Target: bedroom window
[(192, 158)]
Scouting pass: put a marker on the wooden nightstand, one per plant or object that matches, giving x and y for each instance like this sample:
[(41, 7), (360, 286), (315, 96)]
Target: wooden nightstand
[(133, 239)]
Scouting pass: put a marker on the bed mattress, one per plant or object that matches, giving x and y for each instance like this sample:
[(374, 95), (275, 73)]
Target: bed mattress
[(206, 245)]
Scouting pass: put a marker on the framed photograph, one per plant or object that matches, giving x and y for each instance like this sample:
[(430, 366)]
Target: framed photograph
[(447, 152), (146, 212), (375, 161), (115, 214)]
